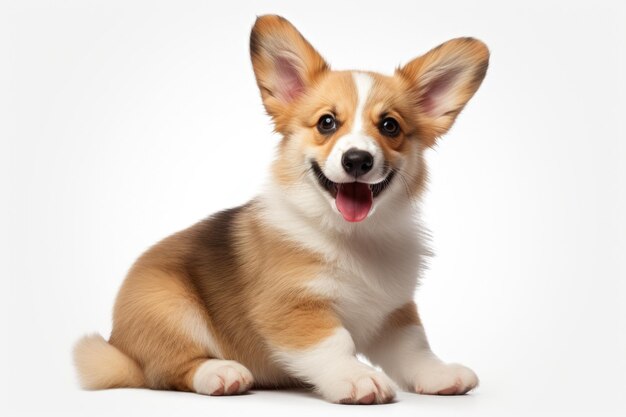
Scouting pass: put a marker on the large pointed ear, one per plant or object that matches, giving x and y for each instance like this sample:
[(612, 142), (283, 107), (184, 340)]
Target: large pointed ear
[(285, 64), (442, 81)]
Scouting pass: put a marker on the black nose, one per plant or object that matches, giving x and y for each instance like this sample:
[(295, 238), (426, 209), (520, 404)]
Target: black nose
[(356, 162)]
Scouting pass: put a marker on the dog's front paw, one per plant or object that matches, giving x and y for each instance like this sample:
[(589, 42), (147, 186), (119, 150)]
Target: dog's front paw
[(444, 379), (366, 386)]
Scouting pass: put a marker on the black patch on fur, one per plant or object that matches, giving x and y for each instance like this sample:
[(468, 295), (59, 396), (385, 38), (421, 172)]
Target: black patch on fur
[(213, 264), (214, 267), (213, 244)]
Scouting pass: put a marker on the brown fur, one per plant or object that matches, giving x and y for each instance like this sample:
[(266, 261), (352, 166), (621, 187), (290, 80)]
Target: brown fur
[(242, 280), (103, 366), (234, 275), (403, 316), (233, 279), (271, 34), (462, 62)]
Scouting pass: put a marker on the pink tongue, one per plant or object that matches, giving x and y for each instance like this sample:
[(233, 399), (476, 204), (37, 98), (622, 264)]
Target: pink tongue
[(354, 200)]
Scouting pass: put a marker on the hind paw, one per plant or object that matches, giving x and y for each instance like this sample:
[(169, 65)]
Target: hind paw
[(222, 377)]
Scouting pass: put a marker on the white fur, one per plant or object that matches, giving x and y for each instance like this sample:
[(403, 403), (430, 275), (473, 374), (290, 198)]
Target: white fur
[(365, 287), (196, 328), (216, 376), (333, 167), (405, 355), (332, 367), (363, 83)]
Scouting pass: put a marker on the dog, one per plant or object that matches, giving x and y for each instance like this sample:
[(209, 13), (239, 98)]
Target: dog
[(323, 264)]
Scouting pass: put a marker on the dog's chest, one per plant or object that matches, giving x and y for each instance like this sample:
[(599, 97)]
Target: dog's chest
[(367, 284)]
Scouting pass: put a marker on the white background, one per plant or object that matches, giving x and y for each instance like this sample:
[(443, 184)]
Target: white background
[(124, 121)]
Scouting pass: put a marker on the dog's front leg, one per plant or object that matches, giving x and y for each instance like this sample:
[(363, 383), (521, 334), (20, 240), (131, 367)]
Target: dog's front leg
[(308, 339), (402, 350)]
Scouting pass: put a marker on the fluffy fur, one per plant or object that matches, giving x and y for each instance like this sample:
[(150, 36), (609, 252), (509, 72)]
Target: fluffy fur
[(284, 291)]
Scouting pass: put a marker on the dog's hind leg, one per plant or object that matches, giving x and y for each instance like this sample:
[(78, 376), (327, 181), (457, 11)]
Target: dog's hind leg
[(161, 324)]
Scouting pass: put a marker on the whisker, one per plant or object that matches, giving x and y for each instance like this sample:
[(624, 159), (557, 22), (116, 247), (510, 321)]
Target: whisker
[(405, 181)]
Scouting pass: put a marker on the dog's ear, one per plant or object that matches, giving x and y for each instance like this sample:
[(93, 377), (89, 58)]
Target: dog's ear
[(285, 64), (442, 81)]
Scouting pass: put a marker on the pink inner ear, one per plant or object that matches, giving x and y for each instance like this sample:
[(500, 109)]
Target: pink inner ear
[(289, 83), (438, 97)]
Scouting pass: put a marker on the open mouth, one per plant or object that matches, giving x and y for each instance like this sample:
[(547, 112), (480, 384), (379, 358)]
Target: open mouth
[(353, 199)]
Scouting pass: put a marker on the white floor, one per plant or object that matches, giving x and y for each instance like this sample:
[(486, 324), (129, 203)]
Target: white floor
[(494, 398)]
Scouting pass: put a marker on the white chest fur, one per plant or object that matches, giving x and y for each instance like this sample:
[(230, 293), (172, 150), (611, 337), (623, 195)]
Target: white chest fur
[(367, 281), (371, 268)]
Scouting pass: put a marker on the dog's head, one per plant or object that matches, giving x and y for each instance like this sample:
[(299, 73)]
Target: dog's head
[(353, 138)]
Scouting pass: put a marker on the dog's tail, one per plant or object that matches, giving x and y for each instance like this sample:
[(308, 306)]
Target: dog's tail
[(101, 365)]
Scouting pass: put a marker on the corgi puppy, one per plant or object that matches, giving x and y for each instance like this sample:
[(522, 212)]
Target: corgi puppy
[(285, 290)]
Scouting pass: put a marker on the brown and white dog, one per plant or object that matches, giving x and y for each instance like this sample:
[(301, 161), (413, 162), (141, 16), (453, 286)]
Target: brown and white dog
[(285, 290)]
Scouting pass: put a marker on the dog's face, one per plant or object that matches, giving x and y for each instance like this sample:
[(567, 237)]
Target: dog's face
[(355, 139)]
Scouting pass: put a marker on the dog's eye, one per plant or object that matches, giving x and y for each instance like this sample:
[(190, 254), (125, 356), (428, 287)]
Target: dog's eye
[(389, 127), (326, 124)]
